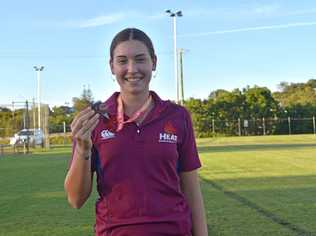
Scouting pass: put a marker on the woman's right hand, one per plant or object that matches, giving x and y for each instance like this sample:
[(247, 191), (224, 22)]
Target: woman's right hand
[(81, 128)]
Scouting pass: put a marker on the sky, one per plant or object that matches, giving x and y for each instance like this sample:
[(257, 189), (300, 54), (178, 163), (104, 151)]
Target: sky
[(227, 45)]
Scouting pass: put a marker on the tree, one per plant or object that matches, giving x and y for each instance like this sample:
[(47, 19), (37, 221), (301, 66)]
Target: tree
[(298, 101), (83, 101), (260, 102), (10, 121), (225, 108), (296, 94), (200, 119), (58, 116)]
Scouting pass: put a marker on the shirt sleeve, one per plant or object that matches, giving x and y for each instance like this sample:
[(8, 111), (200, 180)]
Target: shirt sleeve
[(92, 159), (188, 154)]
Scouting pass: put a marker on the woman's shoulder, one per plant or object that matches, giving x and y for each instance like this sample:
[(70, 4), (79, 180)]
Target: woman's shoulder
[(178, 109)]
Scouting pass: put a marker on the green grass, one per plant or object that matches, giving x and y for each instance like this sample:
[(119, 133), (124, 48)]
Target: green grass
[(32, 200), (260, 185), (251, 186)]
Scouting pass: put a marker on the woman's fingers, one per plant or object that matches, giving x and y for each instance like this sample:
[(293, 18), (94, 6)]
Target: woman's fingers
[(82, 127), (75, 120), (92, 127), (83, 136), (87, 127), (83, 115), (81, 119)]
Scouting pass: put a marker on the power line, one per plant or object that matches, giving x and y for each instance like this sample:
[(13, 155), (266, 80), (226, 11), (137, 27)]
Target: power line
[(23, 56)]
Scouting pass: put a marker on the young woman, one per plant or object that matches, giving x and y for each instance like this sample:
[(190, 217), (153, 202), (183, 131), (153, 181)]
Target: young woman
[(144, 153)]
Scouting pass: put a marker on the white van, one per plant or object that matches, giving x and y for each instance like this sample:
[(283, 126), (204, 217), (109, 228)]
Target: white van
[(36, 137)]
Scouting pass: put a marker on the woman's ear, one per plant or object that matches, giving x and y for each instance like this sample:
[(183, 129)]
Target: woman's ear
[(154, 63), (111, 66)]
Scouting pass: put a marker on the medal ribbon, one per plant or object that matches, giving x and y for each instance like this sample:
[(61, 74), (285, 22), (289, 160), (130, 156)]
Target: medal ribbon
[(138, 114)]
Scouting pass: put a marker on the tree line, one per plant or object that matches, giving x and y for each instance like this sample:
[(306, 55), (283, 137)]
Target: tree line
[(247, 111), (257, 108)]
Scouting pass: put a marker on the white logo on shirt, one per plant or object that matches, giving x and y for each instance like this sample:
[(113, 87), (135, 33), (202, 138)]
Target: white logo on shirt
[(106, 134), (167, 138)]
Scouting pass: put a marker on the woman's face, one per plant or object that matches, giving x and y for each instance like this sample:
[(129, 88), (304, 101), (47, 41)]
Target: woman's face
[(132, 66)]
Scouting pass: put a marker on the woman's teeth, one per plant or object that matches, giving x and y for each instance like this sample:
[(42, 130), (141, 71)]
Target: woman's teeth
[(132, 79)]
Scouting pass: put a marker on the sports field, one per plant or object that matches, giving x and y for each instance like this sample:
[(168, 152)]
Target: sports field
[(251, 186)]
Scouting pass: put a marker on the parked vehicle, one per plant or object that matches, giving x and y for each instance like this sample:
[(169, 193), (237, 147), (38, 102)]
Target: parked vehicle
[(35, 137)]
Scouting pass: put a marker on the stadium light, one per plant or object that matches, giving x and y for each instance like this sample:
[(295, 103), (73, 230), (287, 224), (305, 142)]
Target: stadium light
[(38, 70), (174, 15)]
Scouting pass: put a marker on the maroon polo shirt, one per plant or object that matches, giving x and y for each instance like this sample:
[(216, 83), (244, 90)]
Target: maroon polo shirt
[(138, 172)]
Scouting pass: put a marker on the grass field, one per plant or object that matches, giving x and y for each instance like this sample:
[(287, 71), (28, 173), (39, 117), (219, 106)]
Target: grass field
[(251, 186)]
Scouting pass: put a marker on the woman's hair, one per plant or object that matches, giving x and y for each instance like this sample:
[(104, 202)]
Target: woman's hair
[(132, 34)]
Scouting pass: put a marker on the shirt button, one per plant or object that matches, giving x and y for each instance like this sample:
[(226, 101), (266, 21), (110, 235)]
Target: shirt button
[(138, 131)]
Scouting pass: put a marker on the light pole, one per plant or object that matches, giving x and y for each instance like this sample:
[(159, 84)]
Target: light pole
[(38, 70), (174, 15)]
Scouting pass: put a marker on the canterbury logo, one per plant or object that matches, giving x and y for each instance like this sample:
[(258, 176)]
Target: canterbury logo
[(106, 134)]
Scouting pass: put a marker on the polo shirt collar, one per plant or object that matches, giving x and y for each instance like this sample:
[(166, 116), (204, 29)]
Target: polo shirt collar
[(160, 105), (111, 104)]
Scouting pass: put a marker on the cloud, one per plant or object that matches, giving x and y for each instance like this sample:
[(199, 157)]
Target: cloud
[(265, 9), (258, 28), (218, 13), (101, 20), (93, 22), (302, 12), (158, 16), (111, 19), (247, 11)]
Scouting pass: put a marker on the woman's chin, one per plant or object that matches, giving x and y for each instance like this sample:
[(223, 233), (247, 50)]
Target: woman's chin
[(136, 90)]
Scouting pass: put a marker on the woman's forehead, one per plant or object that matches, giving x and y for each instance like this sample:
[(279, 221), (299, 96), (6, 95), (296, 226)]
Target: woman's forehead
[(130, 48)]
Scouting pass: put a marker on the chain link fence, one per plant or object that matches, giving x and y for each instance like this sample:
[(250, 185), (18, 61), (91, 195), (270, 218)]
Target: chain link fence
[(24, 115), (20, 122), (264, 126)]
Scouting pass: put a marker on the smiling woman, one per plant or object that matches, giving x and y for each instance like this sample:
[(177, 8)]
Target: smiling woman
[(133, 66), (132, 60), (143, 152)]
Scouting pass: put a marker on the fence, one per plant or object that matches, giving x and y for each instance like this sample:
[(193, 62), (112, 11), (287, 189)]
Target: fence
[(264, 126), (24, 115)]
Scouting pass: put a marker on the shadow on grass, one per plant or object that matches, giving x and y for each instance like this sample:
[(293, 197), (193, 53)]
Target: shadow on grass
[(254, 147), (20, 152), (39, 154), (57, 146), (286, 201)]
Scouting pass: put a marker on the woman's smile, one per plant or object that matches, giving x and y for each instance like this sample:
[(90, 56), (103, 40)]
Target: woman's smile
[(133, 79)]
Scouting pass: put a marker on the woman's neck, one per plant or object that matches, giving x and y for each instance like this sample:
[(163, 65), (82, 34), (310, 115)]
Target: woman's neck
[(133, 102)]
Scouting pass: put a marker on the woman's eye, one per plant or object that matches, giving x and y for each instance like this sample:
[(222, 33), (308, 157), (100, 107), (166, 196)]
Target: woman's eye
[(140, 60), (121, 61)]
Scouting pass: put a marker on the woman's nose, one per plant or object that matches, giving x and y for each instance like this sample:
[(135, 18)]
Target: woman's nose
[(132, 67)]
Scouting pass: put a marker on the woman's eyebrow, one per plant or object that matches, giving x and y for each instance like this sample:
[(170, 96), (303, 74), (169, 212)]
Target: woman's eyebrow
[(141, 55), (136, 56)]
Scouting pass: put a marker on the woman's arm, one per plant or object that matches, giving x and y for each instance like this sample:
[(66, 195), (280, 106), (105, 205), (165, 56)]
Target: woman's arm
[(190, 186), (78, 182)]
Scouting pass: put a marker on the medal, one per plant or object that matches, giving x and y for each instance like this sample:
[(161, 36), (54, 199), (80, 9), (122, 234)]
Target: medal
[(100, 108)]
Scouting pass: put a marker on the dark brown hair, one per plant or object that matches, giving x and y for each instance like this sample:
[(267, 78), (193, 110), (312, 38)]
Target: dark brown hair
[(132, 34)]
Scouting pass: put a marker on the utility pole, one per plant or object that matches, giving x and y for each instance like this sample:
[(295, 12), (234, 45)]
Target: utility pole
[(27, 126), (33, 115), (314, 128), (13, 118), (181, 51)]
